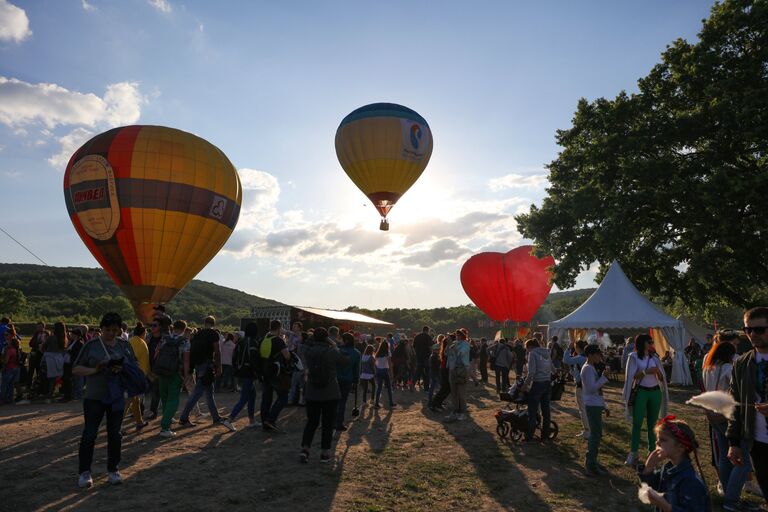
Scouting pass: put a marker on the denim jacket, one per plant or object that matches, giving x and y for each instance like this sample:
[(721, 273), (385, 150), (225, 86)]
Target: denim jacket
[(681, 487)]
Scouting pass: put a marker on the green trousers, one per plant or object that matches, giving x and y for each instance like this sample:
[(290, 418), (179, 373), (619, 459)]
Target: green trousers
[(647, 407), (595, 419), (170, 389)]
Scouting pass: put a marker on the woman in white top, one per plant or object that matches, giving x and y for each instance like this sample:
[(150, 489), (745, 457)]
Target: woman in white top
[(645, 393), (382, 358)]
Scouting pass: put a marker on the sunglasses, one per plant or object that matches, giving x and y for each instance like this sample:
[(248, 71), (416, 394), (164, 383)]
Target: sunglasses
[(755, 330)]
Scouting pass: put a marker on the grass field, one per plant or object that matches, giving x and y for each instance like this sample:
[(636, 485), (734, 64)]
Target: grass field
[(404, 460)]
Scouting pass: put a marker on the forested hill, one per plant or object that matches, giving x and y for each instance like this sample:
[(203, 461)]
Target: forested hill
[(82, 295), (75, 294)]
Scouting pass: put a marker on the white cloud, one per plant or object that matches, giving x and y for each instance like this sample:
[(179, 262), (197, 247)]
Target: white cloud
[(261, 192), (163, 6), (14, 24), (374, 285), (87, 7), (69, 143), (23, 103), (509, 181)]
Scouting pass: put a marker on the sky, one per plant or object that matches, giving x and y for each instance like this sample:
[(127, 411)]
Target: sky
[(269, 82)]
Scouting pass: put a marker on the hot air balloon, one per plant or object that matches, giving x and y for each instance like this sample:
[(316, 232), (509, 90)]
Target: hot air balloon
[(383, 148), (153, 205), (509, 286)]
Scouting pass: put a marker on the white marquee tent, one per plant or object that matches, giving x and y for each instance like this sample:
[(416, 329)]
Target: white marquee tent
[(617, 304)]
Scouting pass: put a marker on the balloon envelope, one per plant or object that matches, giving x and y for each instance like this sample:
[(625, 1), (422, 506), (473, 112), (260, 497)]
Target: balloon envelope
[(509, 286), (153, 205), (383, 148)]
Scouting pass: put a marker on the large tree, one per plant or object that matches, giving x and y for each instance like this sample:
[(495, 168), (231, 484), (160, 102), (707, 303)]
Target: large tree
[(673, 180)]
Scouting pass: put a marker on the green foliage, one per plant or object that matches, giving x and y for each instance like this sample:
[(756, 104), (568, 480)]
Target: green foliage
[(556, 306), (12, 301), (672, 180), (83, 295)]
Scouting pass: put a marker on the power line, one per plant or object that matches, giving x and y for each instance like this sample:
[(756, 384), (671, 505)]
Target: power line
[(24, 247)]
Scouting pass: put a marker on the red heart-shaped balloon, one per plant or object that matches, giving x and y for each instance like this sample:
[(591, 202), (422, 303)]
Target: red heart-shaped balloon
[(509, 286)]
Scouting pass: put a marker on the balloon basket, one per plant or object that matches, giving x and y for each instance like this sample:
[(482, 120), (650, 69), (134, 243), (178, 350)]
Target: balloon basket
[(384, 226)]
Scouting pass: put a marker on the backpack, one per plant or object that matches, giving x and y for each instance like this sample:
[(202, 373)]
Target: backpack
[(246, 360), (167, 362), (319, 375)]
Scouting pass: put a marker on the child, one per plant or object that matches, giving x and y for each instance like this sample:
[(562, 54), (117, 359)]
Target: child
[(678, 486), (434, 371), (592, 382)]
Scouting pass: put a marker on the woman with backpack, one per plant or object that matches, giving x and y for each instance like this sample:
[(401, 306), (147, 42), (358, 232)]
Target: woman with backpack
[(382, 363), (322, 392), (246, 366)]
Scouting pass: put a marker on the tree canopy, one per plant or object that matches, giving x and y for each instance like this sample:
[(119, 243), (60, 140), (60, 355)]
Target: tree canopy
[(671, 180)]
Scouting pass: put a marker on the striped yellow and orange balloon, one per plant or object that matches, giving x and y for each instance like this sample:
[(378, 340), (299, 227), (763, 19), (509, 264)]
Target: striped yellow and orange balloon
[(384, 148), (153, 205)]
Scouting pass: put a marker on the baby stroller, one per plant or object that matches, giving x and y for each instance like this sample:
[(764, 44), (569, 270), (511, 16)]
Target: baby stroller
[(513, 423)]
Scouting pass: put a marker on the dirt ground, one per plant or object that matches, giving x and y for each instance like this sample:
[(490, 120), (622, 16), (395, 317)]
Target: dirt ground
[(406, 459)]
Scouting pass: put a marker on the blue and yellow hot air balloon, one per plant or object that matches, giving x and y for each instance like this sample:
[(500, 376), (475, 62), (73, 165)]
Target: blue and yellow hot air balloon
[(384, 148)]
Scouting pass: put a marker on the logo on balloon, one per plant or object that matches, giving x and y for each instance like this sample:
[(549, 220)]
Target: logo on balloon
[(415, 135), (93, 196), (218, 207)]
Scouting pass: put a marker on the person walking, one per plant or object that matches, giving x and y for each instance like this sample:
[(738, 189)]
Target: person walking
[(348, 376), (482, 360), (101, 356), (458, 373), (367, 373), (54, 350), (153, 340), (11, 369), (140, 350), (422, 344), (322, 392), (295, 344), (520, 355), (227, 381), (445, 380), (36, 344), (382, 363), (645, 393), (205, 359), (275, 357), (538, 384), (502, 363), (593, 380), (172, 368), (716, 376), (575, 357), (434, 371), (749, 385), (246, 366)]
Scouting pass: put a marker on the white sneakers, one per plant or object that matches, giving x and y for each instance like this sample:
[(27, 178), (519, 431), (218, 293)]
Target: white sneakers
[(85, 480), (114, 477), (584, 434), (167, 434), (631, 459), (229, 425)]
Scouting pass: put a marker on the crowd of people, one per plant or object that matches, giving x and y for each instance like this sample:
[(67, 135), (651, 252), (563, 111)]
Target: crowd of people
[(112, 370)]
